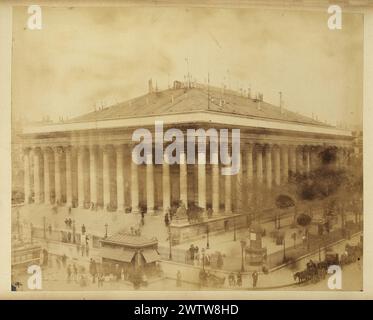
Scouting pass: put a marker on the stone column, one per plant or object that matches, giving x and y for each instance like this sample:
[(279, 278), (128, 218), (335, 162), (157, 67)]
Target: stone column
[(183, 179), (93, 174), (293, 159), (134, 187), (69, 185), (215, 183), (202, 179), (228, 194), (166, 184), (239, 186), (37, 175), (285, 164), (149, 183), (249, 173), (277, 160), (57, 175), (313, 158), (308, 160), (120, 177), (26, 178), (106, 177), (259, 164), (300, 166), (47, 191), (268, 156), (80, 174)]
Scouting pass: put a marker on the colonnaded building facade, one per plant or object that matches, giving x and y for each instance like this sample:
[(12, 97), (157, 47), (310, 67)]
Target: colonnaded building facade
[(86, 162)]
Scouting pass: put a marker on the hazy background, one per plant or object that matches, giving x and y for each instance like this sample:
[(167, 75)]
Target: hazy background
[(87, 57)]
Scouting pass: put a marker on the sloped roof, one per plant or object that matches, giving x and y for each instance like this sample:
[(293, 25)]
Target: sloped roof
[(129, 240), (199, 98)]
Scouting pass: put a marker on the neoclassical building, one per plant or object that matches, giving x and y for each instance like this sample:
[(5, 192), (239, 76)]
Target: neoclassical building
[(86, 161)]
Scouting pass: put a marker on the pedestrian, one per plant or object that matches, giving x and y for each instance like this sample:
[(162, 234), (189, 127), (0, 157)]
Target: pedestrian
[(142, 218), (166, 220), (239, 279), (75, 270), (64, 259), (50, 229), (83, 229), (58, 262), (178, 279), (68, 274), (255, 278), (93, 269), (100, 280), (191, 250), (232, 281)]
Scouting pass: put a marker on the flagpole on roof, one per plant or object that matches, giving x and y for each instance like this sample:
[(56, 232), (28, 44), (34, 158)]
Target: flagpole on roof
[(208, 90)]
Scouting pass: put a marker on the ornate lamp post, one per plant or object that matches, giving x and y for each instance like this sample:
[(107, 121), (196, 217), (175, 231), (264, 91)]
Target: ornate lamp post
[(203, 259), (31, 232), (284, 257), (170, 242), (243, 246), (207, 238), (44, 227), (234, 230), (18, 225)]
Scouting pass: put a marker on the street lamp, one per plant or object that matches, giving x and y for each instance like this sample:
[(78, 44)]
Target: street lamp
[(284, 257), (18, 225), (234, 229), (207, 239), (106, 226), (203, 259), (44, 228), (243, 246), (170, 242)]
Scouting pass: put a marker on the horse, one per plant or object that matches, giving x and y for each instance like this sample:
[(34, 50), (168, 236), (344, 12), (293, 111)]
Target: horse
[(302, 276)]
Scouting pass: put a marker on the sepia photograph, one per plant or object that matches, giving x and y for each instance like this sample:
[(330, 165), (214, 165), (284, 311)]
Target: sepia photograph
[(178, 147)]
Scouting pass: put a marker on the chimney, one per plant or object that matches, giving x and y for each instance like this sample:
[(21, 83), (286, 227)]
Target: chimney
[(281, 109), (258, 100), (150, 86)]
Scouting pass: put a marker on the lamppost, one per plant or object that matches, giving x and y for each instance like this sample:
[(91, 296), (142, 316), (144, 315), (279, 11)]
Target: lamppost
[(44, 228), (207, 238), (284, 257), (234, 229), (320, 250), (106, 226), (18, 226), (170, 242), (203, 259), (243, 246), (31, 232)]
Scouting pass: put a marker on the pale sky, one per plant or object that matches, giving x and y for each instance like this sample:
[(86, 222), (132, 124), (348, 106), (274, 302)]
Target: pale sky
[(83, 57)]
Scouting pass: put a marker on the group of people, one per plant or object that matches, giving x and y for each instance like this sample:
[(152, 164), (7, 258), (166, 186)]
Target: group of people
[(235, 280), (68, 223), (198, 257), (192, 255)]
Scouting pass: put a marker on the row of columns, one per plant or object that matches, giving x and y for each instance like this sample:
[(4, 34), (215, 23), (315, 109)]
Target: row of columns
[(273, 163)]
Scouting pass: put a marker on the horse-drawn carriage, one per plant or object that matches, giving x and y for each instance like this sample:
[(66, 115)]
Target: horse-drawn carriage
[(352, 253), (314, 272), (331, 258)]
